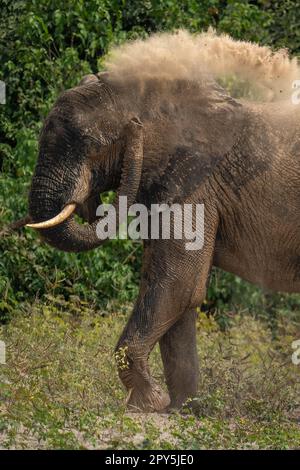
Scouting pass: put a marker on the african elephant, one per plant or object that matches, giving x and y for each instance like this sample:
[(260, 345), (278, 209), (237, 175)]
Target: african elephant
[(165, 140)]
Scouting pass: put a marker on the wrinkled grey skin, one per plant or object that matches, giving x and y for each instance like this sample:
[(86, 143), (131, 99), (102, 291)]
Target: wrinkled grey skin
[(188, 143)]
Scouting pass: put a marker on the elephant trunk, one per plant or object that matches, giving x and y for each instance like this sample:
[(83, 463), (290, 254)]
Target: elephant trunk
[(62, 231)]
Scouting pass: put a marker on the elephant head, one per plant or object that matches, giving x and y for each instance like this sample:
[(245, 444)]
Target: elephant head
[(88, 144)]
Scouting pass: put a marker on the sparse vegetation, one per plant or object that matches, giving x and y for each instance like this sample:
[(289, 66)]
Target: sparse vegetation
[(59, 388)]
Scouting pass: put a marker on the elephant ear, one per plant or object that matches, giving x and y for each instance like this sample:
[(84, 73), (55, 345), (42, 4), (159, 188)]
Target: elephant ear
[(93, 77), (90, 78), (186, 170), (208, 134)]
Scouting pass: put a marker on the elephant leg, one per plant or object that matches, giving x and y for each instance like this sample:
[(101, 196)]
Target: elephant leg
[(178, 345), (173, 281), (153, 315), (179, 355)]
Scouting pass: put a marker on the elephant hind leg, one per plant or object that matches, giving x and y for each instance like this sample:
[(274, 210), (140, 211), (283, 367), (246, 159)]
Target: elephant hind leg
[(180, 360), (178, 345)]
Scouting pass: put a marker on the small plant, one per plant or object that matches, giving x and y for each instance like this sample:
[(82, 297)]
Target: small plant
[(121, 358)]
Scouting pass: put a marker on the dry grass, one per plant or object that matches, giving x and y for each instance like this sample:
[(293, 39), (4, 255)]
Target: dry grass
[(59, 388)]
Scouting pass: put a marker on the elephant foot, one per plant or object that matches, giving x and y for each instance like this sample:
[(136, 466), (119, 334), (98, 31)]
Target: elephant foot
[(155, 400), (186, 406)]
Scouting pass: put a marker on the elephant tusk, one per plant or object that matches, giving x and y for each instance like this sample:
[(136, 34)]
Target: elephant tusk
[(58, 219)]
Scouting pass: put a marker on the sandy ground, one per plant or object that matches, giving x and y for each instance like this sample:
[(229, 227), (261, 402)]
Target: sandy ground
[(160, 421)]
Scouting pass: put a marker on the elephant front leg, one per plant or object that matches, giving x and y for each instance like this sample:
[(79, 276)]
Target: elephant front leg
[(144, 394), (153, 315), (170, 286)]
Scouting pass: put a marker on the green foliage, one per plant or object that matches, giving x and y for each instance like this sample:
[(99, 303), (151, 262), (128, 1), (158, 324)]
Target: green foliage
[(246, 21), (47, 47), (284, 30)]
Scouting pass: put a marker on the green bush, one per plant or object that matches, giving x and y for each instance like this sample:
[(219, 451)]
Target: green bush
[(47, 47)]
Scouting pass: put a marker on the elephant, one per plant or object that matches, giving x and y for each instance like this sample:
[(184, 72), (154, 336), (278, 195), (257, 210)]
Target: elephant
[(173, 140)]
